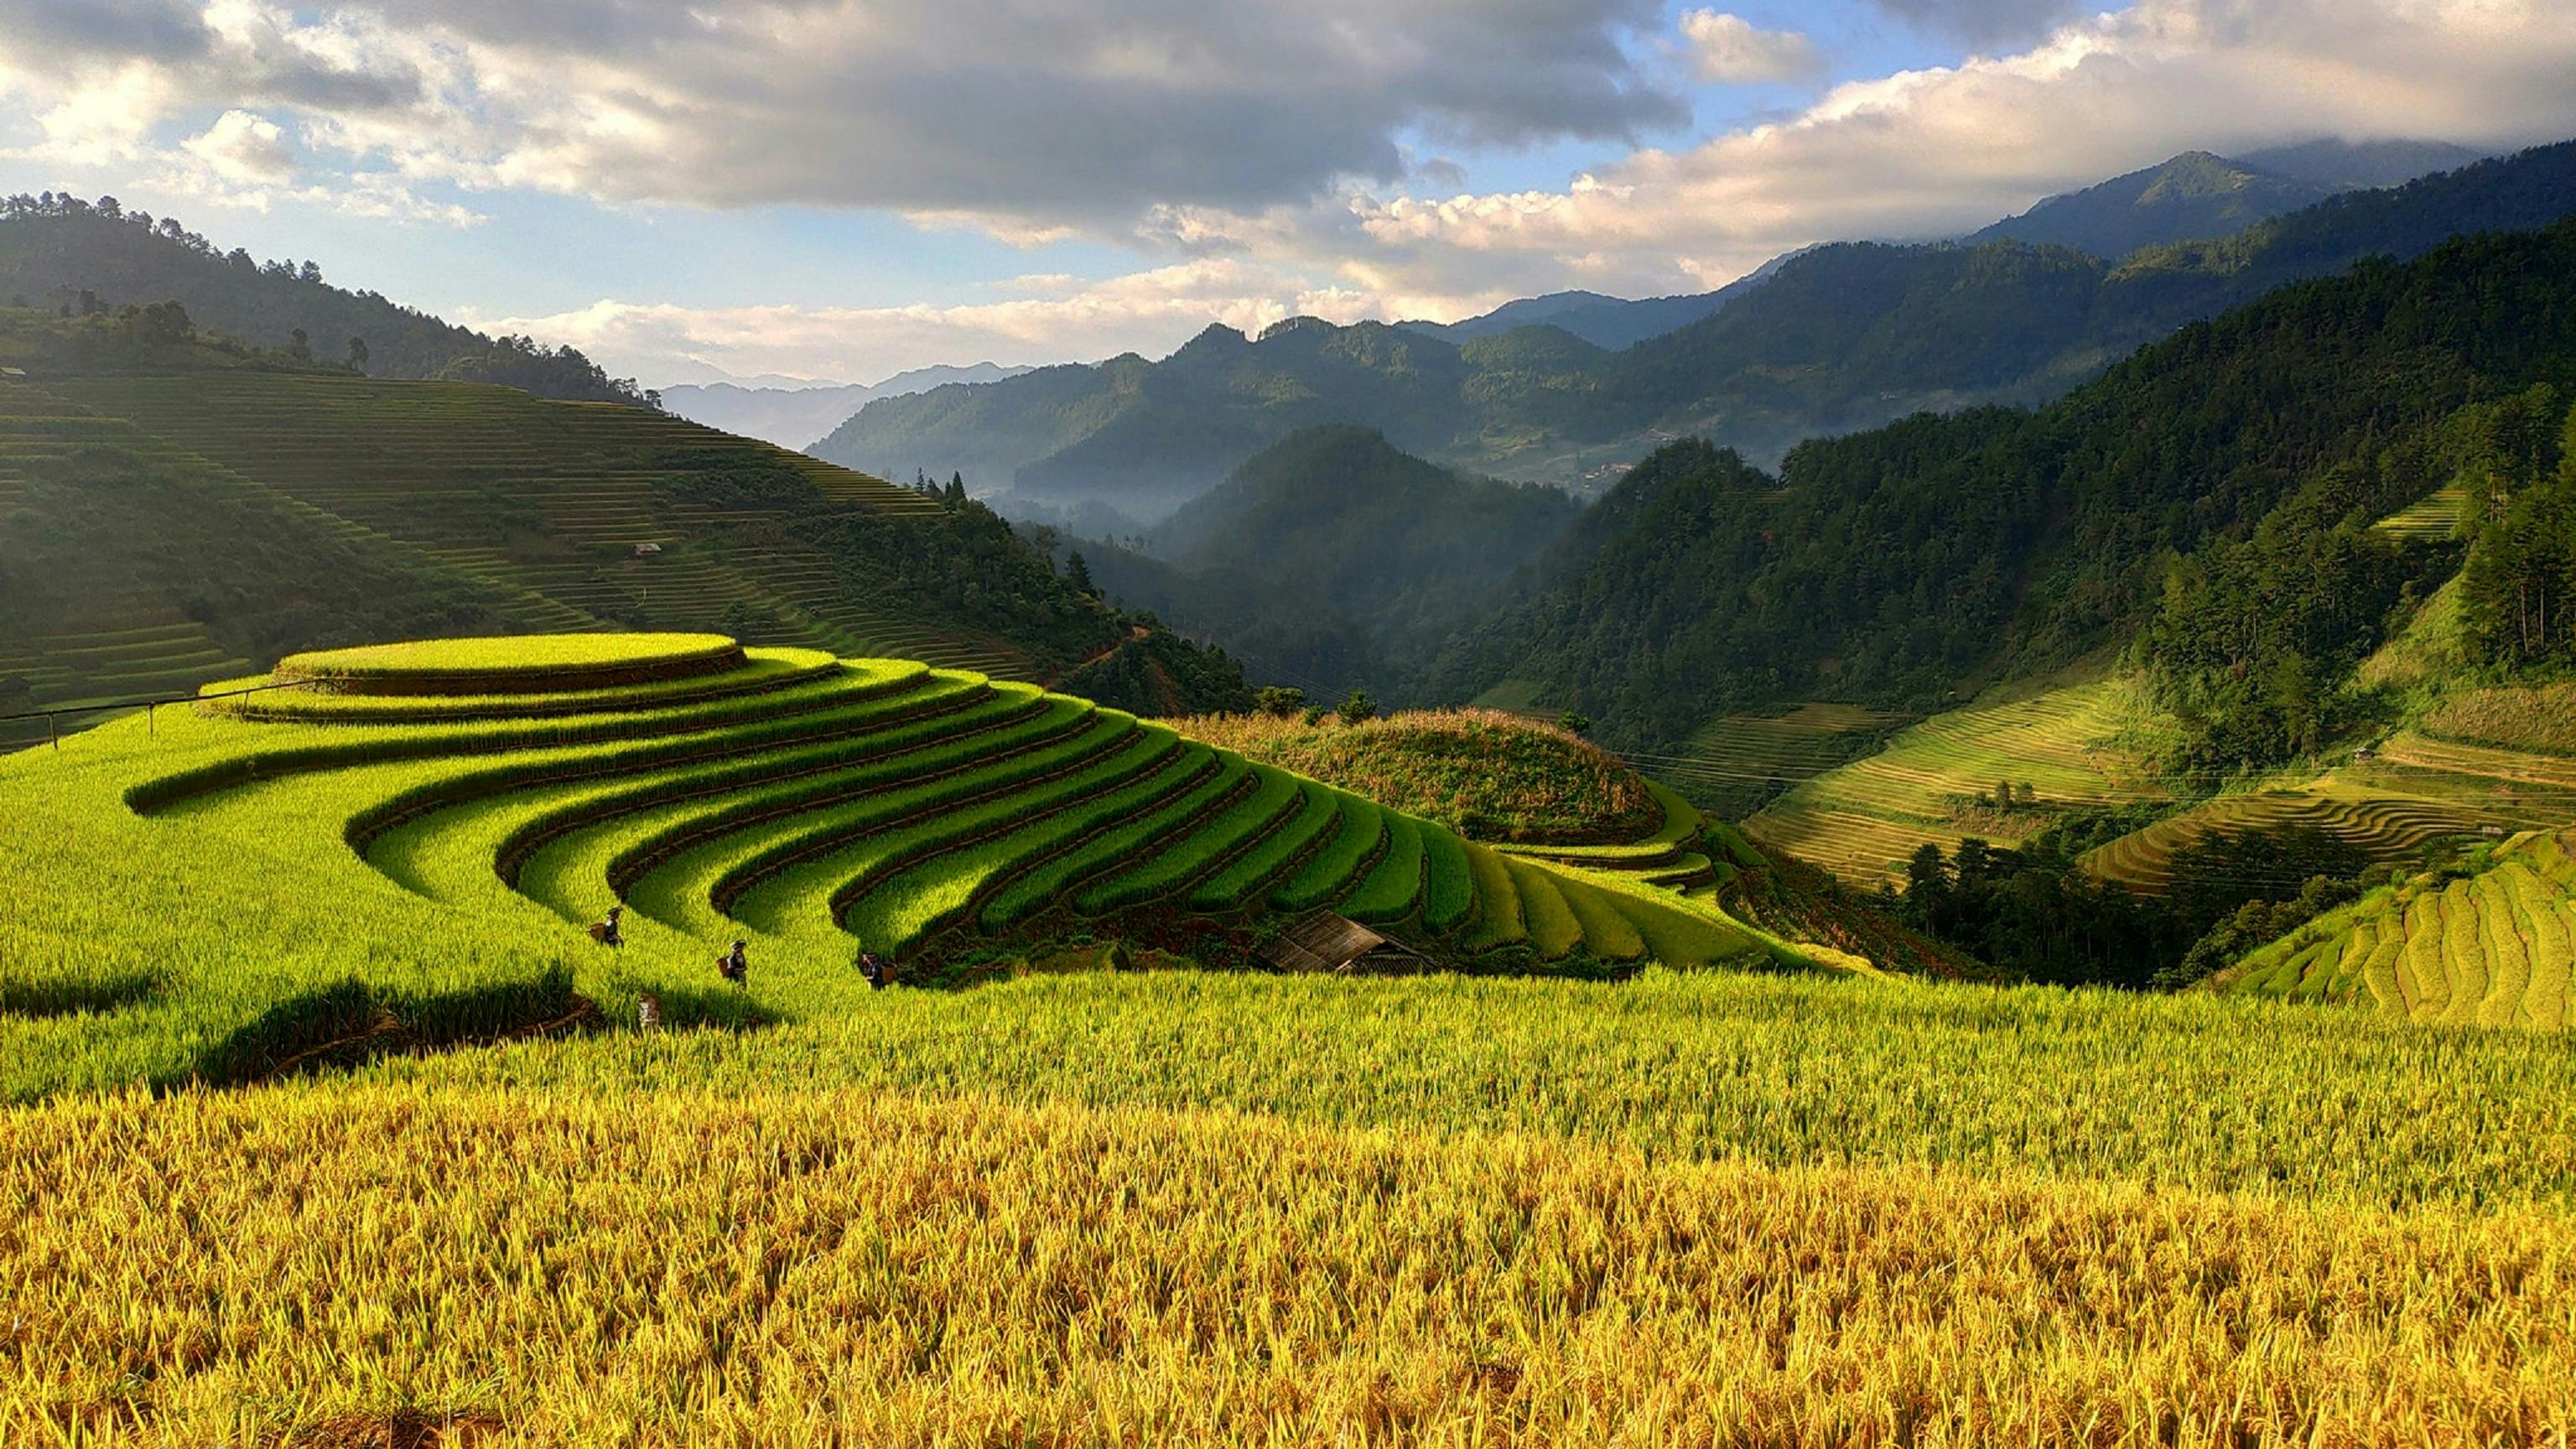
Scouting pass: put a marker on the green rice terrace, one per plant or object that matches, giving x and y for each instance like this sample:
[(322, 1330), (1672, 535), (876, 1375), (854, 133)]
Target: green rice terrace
[(403, 846), (2489, 945)]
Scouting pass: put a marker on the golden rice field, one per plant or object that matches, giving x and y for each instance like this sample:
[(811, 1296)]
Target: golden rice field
[(840, 1268), (1863, 820), (1792, 1205), (1142, 1209)]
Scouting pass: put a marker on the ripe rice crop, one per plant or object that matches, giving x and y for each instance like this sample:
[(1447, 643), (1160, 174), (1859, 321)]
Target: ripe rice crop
[(837, 1267)]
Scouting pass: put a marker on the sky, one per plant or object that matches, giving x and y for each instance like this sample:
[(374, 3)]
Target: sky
[(844, 189)]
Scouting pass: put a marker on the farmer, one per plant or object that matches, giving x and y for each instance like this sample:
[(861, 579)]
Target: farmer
[(733, 966), (606, 932), (873, 969)]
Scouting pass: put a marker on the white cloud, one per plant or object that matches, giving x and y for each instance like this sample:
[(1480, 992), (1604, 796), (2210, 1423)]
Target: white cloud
[(1941, 151), (1277, 158), (1731, 48), (380, 196), (245, 149), (1029, 118), (1046, 318)]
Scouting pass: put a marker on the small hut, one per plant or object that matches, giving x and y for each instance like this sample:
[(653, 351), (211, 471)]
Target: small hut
[(1328, 942)]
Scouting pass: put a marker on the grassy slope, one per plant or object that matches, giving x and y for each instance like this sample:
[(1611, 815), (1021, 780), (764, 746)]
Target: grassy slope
[(178, 513), (549, 496)]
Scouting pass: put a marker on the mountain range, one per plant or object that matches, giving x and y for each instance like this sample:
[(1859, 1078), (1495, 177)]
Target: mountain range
[(1837, 338), (793, 414)]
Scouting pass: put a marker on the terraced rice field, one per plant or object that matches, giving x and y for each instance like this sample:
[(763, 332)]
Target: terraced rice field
[(812, 806), (2494, 948), (2388, 828), (2435, 517), (1746, 760), (1862, 820), (549, 497)]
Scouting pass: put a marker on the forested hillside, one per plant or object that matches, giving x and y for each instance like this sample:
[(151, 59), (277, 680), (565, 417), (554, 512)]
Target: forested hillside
[(1894, 565), (1332, 557), (61, 253), (1838, 338)]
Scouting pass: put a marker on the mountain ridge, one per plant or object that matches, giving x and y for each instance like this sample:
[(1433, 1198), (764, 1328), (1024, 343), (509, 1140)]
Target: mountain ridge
[(1841, 337), (796, 417)]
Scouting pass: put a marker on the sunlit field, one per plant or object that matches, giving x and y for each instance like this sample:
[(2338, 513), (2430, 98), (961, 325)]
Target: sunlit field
[(334, 1127)]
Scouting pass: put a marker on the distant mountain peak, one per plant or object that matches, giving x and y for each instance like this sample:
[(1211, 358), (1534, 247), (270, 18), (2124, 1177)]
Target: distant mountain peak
[(1299, 323), (2196, 194), (2361, 165)]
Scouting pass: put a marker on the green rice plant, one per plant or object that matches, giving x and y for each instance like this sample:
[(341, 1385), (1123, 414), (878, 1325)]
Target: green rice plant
[(896, 913), (540, 664), (1242, 828), (920, 745), (690, 868), (1554, 930), (2379, 970), (822, 867), (763, 671), (1606, 933), (2506, 938), (843, 726), (1330, 871), (1100, 841), (1449, 886), (1393, 888), (1499, 921), (2425, 970), (1243, 879), (1686, 933), (272, 753), (2552, 944), (2464, 955), (499, 836)]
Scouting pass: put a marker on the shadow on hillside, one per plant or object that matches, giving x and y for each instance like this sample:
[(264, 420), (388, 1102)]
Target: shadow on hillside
[(351, 1023), (72, 997)]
